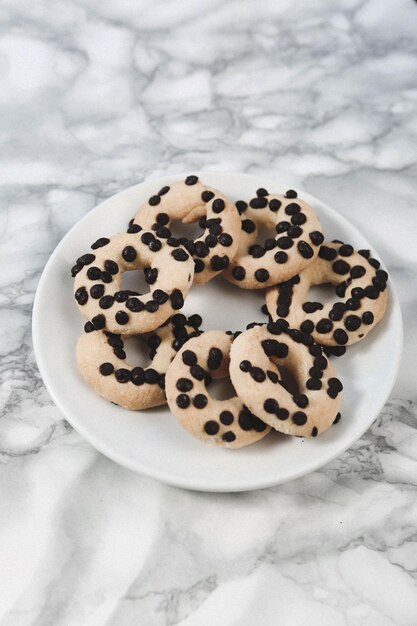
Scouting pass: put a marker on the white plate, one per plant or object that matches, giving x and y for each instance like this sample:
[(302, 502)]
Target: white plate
[(152, 442)]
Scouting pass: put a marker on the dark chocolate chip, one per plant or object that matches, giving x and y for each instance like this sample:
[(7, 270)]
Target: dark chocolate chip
[(206, 196), (184, 384), (305, 249), (198, 266), (281, 257), (248, 226), (228, 436), (274, 204), (163, 191), (298, 219), (271, 405), (180, 255), (299, 418), (316, 237), (352, 322), (258, 374), (89, 327), (111, 267), (282, 414), (284, 243), (294, 232), (292, 208), (314, 431), (106, 302), (341, 267), (340, 336), (106, 277), (256, 251), (245, 366), (151, 306), (211, 427), (134, 228), (106, 369), (129, 254), (150, 274), (122, 317), (328, 254), (301, 400), (191, 180), (262, 275), (218, 205), (368, 318), (200, 401), (226, 418), (94, 273), (189, 357), (81, 295), (122, 375), (100, 243), (324, 326), (183, 401), (99, 322), (154, 200), (215, 358), (135, 305), (307, 326), (219, 263)]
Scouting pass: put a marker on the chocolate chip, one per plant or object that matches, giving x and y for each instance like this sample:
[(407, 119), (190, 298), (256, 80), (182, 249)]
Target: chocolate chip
[(206, 196), (301, 400), (305, 249), (94, 273), (75, 269), (179, 255), (324, 326), (314, 384), (151, 376), (201, 249), (155, 245), (191, 180), (282, 414), (122, 317), (182, 401), (129, 254), (121, 296), (200, 401), (122, 375), (106, 277), (135, 305), (106, 369), (256, 251), (274, 204), (292, 208), (272, 347), (346, 250), (226, 418), (89, 327), (245, 366), (163, 191), (299, 418), (368, 318), (154, 200), (271, 405), (328, 254), (215, 358), (258, 374), (352, 322), (314, 431), (262, 275), (371, 292), (198, 266), (211, 427), (111, 267), (184, 384), (340, 336), (150, 274), (357, 271), (307, 326), (281, 257), (376, 264), (273, 377), (106, 302), (81, 295), (248, 226), (332, 393), (189, 357), (270, 244), (315, 372), (228, 436), (337, 418), (238, 273), (99, 321), (335, 383), (284, 243), (134, 228), (316, 237), (219, 263), (245, 419), (86, 259), (100, 243), (311, 307), (258, 203), (146, 238), (298, 219), (218, 205), (211, 241), (341, 267), (151, 306), (294, 232)]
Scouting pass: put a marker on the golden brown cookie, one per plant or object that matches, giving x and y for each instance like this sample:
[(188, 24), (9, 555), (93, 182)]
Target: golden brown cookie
[(307, 411), (188, 201), (360, 296), (226, 423), (98, 277), (292, 245)]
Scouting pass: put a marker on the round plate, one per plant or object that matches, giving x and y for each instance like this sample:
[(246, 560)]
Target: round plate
[(152, 442)]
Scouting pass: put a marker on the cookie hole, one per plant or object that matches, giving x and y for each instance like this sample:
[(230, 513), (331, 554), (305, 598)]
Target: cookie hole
[(136, 351), (263, 233), (191, 231), (222, 389), (287, 378), (135, 281), (322, 293)]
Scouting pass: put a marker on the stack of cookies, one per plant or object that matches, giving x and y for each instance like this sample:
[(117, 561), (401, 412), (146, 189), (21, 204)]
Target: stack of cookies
[(280, 370)]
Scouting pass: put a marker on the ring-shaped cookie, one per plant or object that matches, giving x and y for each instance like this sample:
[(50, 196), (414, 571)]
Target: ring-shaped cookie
[(293, 244), (226, 423), (188, 201), (360, 289), (98, 276), (101, 360), (259, 384)]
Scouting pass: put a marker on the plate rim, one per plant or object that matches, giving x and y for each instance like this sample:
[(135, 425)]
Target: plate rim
[(145, 470)]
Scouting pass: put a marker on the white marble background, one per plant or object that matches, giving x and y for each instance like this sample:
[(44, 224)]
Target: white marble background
[(96, 96)]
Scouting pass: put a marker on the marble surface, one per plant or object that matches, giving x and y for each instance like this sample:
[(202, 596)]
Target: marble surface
[(96, 96)]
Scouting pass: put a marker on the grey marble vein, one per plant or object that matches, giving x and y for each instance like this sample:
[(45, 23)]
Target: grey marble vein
[(96, 96)]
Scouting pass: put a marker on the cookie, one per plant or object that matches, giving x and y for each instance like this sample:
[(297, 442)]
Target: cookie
[(292, 245), (98, 277), (188, 201), (306, 410), (101, 360), (360, 290), (227, 423)]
